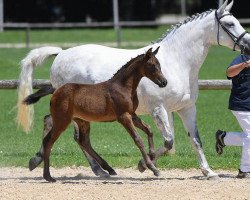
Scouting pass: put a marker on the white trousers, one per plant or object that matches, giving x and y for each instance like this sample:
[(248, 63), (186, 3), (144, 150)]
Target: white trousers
[(241, 138)]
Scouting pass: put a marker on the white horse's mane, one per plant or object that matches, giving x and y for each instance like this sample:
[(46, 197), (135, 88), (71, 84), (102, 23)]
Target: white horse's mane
[(187, 20)]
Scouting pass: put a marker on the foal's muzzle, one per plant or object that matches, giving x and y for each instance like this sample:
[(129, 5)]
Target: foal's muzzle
[(163, 83)]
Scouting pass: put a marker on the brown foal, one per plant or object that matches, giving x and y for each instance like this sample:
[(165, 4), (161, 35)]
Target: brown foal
[(115, 99)]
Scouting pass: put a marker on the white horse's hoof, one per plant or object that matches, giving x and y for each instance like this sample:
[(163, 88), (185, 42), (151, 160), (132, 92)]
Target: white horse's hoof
[(104, 175), (213, 177), (210, 174)]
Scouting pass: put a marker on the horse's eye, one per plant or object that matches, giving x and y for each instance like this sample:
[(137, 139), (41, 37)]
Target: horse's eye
[(230, 24)]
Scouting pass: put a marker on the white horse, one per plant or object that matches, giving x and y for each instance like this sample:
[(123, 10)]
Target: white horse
[(183, 49)]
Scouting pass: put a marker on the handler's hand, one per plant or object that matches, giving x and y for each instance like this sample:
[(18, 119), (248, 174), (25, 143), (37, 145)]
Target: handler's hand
[(248, 63)]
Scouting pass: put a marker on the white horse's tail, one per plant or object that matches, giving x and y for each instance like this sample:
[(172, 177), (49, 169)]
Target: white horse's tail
[(32, 60)]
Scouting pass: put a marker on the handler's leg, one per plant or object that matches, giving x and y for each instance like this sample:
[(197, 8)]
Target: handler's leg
[(188, 116), (244, 121), (224, 138)]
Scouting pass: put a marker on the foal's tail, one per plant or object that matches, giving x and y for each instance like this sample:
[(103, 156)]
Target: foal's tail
[(28, 64), (35, 97)]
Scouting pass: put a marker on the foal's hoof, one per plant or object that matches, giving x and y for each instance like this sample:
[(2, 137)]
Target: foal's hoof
[(112, 173), (49, 179), (157, 173), (141, 166)]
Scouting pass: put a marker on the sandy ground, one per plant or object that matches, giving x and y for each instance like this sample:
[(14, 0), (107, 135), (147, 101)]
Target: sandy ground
[(80, 183)]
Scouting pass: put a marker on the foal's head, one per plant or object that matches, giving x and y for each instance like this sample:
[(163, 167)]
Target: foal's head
[(152, 68)]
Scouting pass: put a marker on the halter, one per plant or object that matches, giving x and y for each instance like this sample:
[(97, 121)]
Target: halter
[(231, 35)]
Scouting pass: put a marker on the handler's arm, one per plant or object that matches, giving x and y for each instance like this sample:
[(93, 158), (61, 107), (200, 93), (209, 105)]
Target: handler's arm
[(236, 69)]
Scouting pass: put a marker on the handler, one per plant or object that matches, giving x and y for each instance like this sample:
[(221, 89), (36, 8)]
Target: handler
[(239, 104)]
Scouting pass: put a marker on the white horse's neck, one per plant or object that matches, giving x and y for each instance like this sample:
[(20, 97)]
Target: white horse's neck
[(192, 39)]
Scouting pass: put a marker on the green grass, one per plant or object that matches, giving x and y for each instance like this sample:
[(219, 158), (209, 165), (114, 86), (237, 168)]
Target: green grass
[(82, 35), (110, 139)]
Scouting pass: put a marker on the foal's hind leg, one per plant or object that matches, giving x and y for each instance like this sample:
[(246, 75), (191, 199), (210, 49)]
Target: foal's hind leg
[(48, 142), (84, 142), (35, 161), (94, 165)]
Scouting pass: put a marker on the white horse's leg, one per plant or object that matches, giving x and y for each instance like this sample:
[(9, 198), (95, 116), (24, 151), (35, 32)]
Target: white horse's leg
[(164, 122), (188, 116)]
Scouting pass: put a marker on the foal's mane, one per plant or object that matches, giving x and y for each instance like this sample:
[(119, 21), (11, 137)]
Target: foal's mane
[(187, 20), (124, 68)]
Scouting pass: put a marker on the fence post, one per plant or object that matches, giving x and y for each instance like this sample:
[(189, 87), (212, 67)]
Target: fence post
[(183, 8), (1, 15), (27, 37), (116, 22)]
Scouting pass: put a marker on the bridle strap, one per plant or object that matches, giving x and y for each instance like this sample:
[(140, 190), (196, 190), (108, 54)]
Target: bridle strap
[(239, 38), (231, 35)]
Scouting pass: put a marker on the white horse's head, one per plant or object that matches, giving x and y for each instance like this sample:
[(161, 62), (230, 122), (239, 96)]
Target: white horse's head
[(229, 32)]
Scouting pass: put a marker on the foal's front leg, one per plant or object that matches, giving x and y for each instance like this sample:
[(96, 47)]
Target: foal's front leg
[(146, 129), (164, 122), (126, 120)]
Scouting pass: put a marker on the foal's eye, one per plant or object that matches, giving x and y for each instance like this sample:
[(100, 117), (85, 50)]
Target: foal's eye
[(152, 69)]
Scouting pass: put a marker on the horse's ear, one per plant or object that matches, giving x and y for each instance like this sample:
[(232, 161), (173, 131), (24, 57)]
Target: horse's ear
[(229, 6), (156, 51), (222, 8)]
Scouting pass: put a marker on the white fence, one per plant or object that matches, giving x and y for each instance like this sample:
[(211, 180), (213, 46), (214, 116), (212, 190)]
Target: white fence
[(203, 84)]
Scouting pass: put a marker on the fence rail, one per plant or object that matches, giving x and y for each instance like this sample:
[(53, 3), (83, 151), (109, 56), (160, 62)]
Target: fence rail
[(101, 24), (117, 26), (39, 83)]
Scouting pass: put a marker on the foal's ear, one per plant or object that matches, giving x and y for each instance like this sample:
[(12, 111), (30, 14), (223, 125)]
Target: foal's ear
[(156, 51), (148, 54)]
